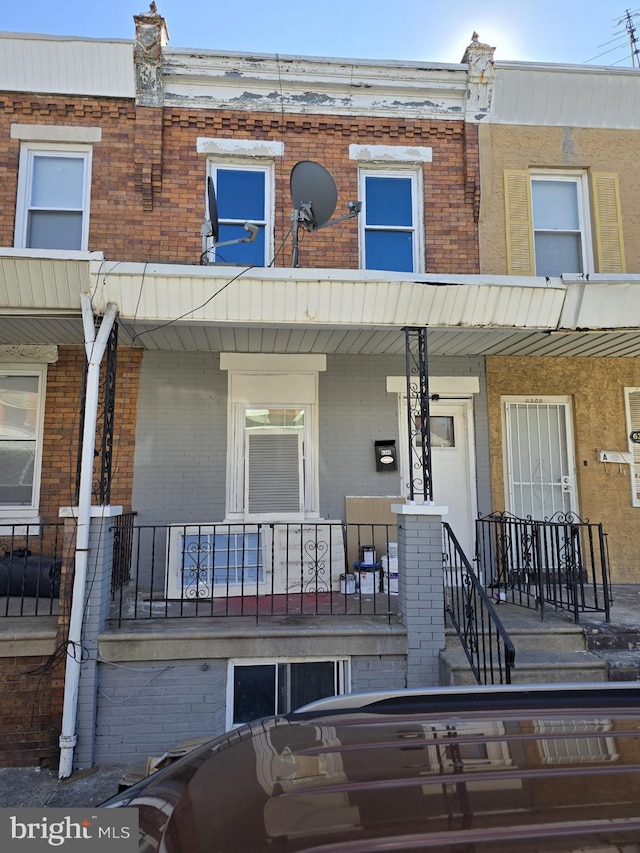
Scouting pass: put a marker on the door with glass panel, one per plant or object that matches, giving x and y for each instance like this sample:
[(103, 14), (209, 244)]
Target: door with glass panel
[(540, 475)]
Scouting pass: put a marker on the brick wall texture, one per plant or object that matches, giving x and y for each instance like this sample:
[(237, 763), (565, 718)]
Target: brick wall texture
[(148, 180)]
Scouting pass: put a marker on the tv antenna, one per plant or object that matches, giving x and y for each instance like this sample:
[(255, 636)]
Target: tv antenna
[(314, 196), (211, 227)]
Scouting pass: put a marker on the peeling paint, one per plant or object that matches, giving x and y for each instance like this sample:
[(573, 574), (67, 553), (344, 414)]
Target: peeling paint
[(416, 104)]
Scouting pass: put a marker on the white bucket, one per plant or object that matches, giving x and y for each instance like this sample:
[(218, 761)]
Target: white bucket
[(348, 584), (368, 581), (390, 574)]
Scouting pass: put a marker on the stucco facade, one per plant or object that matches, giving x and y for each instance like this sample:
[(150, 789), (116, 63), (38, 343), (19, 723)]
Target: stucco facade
[(596, 388), (588, 149)]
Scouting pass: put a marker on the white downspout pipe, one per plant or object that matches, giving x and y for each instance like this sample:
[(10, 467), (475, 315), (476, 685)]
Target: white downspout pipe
[(94, 347)]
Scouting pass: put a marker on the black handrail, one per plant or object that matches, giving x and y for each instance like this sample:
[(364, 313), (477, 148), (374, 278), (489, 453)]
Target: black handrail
[(484, 639)]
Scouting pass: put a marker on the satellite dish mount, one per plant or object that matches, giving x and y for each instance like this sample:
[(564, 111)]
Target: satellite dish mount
[(211, 227)]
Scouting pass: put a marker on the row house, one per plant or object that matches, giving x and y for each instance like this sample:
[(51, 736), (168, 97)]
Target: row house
[(234, 290)]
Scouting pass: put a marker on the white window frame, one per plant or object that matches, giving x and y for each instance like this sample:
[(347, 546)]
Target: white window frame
[(634, 449), (579, 179), (28, 153), (271, 381), (342, 676), (246, 165), (417, 195), (29, 514)]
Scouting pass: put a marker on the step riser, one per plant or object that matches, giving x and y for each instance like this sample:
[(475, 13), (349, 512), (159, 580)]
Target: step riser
[(526, 675), (535, 641)]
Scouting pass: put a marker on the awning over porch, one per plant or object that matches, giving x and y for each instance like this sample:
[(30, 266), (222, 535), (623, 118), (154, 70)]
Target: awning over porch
[(222, 308)]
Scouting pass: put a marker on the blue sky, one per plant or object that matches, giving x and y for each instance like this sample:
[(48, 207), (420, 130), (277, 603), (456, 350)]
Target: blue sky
[(565, 31)]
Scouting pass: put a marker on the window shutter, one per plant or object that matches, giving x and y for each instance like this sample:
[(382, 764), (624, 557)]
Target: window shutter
[(517, 194), (633, 423), (609, 241), (274, 471)]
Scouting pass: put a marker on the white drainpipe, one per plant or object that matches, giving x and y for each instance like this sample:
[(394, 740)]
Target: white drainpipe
[(95, 347)]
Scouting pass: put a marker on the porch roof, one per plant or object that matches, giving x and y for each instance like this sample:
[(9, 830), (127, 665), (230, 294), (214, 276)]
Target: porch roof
[(222, 308)]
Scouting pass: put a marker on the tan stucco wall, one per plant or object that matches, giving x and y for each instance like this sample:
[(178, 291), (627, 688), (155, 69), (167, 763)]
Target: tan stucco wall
[(596, 388), (520, 147)]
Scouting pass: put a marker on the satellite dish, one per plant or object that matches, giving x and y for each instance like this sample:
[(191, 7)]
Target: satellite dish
[(213, 209), (314, 194)]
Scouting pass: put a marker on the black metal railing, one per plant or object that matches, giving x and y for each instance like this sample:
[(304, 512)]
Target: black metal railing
[(30, 569), (490, 652), (561, 561), (123, 534), (257, 570)]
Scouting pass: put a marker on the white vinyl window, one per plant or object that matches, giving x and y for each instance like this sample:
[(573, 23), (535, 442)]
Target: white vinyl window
[(390, 222), (52, 210), (632, 411), (560, 216), (243, 194), (21, 420), (272, 468), (259, 688)]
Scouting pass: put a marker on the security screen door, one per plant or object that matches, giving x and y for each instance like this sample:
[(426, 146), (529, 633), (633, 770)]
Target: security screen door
[(540, 459)]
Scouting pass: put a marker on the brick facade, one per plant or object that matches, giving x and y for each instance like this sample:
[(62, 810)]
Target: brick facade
[(147, 195)]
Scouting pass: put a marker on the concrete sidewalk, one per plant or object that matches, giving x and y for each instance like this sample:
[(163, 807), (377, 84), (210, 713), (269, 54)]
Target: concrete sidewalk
[(32, 786)]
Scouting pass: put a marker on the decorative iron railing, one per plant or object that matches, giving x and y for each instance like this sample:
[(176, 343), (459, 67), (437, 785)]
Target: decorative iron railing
[(561, 561), (122, 550), (30, 569), (490, 652), (257, 570)]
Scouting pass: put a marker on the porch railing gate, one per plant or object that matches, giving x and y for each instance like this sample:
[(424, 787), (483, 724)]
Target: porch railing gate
[(561, 561)]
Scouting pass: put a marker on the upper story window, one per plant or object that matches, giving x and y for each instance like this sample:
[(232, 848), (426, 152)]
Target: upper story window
[(549, 228), (243, 194), (390, 239), (243, 174), (391, 222), (21, 414), (560, 226)]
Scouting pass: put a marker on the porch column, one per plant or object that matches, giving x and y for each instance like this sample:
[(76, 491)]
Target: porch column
[(421, 589), (98, 590)]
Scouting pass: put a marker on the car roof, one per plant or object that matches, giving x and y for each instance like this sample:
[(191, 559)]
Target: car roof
[(554, 769)]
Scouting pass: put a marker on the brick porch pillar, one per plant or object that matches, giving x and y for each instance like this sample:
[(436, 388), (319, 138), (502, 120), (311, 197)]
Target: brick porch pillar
[(421, 589)]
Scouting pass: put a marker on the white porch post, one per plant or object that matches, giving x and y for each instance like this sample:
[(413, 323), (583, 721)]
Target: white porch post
[(95, 346)]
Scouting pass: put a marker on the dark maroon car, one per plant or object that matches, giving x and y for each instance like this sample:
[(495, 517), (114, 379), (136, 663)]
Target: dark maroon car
[(539, 768)]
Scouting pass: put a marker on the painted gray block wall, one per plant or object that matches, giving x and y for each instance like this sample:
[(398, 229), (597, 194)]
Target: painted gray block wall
[(355, 410), (181, 435), (181, 439), (421, 593), (145, 708)]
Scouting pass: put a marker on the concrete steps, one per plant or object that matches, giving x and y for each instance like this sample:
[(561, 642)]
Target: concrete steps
[(557, 649), (549, 652), (532, 667)]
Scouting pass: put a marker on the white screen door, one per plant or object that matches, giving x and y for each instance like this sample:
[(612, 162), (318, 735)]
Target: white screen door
[(540, 460)]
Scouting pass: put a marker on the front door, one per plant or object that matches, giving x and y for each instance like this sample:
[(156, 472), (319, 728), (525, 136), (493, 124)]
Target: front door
[(540, 465), (453, 464)]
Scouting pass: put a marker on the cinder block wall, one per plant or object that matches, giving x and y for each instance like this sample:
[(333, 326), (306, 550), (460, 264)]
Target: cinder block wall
[(145, 708)]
